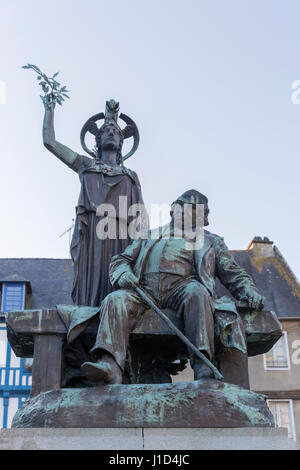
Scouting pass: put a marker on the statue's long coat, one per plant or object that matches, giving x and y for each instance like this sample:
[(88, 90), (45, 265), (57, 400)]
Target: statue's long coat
[(211, 260)]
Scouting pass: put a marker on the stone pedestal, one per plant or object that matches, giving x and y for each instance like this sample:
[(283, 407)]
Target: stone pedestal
[(198, 415), (202, 403), (164, 439)]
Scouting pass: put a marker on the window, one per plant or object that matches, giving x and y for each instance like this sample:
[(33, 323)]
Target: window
[(1, 413), (13, 406), (28, 363), (15, 380), (282, 410), (3, 354), (8, 408), (278, 356), (13, 296), (15, 373), (3, 345)]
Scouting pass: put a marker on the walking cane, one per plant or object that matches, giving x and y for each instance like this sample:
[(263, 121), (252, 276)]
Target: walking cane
[(171, 325)]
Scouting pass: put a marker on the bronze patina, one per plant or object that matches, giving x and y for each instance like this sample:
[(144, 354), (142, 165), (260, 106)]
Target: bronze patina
[(178, 278), (104, 179), (107, 360)]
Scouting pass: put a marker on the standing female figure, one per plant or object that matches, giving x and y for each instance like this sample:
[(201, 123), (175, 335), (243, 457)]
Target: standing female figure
[(103, 180)]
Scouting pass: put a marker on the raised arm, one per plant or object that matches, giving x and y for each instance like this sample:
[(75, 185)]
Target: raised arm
[(62, 152)]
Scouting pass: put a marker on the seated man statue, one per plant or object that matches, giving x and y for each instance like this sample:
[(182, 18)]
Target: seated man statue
[(177, 277)]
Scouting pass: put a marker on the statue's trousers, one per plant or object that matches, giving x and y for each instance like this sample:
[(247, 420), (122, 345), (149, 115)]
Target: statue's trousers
[(121, 310)]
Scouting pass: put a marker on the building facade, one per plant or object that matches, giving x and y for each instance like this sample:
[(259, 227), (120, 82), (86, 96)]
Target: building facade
[(277, 373), (24, 284), (45, 283), (15, 372)]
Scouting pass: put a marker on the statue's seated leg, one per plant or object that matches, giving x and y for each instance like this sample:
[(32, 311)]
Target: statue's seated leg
[(201, 370), (194, 303), (103, 370), (119, 314)]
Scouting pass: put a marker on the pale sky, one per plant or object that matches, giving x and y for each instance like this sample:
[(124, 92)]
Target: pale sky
[(209, 84)]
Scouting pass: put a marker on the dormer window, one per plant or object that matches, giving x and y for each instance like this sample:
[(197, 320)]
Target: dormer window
[(13, 296), (14, 291)]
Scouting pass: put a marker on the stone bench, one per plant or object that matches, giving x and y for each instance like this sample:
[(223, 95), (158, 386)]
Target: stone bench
[(40, 334)]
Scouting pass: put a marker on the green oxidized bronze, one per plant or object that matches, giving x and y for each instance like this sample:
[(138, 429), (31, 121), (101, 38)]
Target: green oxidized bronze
[(104, 179), (54, 92), (142, 308), (175, 277)]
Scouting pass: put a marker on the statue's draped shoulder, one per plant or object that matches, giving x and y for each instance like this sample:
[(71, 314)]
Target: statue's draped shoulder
[(83, 163)]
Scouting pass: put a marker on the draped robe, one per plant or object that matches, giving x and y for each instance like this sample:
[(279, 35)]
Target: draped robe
[(100, 184)]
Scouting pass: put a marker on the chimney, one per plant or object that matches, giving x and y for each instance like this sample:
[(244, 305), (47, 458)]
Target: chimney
[(262, 247)]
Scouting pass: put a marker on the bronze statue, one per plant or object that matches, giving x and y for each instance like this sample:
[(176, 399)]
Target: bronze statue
[(103, 180), (173, 271), (178, 278)]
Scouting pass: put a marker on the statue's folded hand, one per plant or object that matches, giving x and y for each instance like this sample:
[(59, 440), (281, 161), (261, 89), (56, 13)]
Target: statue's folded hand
[(254, 300), (127, 280)]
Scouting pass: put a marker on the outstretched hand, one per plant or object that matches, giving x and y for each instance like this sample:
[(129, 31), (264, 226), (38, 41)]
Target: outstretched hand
[(54, 92)]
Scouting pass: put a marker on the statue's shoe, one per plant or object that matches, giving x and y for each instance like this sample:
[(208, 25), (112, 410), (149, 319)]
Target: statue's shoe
[(104, 370), (202, 371)]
